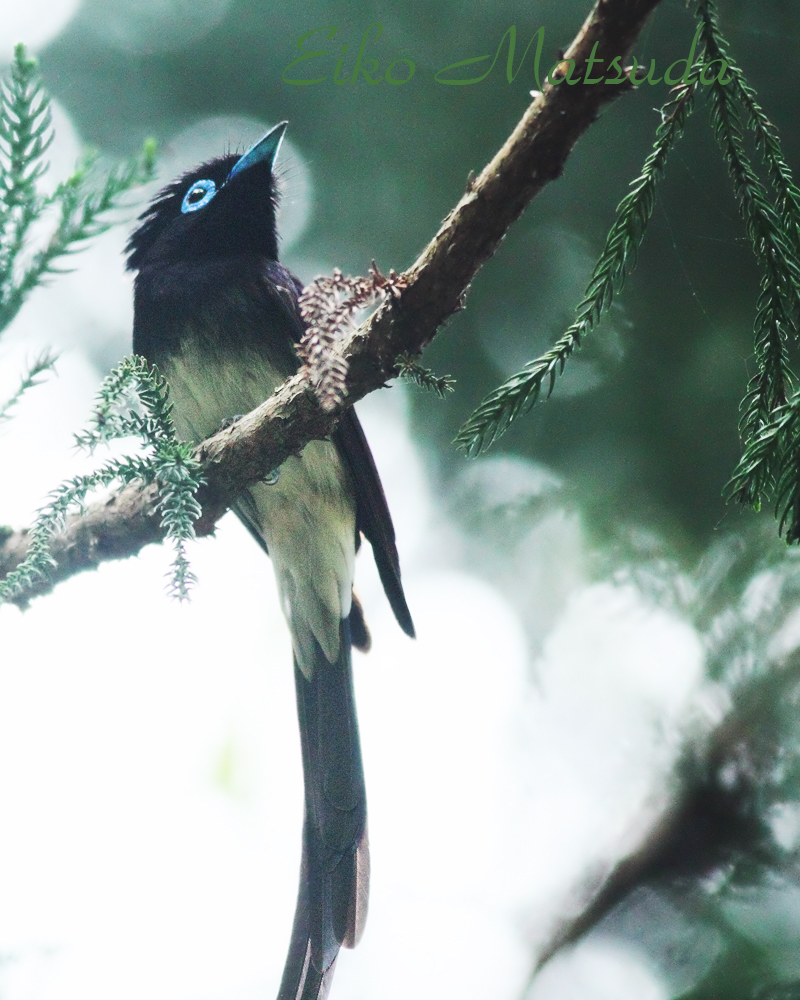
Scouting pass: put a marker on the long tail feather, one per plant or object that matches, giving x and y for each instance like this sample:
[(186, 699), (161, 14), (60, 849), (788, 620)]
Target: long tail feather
[(334, 872)]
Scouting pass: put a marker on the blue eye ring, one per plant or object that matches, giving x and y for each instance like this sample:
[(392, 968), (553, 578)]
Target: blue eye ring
[(205, 189)]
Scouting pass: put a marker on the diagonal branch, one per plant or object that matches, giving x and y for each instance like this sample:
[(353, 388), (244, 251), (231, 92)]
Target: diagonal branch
[(533, 155)]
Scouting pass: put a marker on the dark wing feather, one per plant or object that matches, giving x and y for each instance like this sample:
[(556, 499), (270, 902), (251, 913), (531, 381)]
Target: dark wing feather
[(372, 513), (246, 511)]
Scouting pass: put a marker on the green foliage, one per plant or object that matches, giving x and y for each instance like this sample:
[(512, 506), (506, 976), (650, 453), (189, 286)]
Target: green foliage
[(83, 200), (82, 207), (32, 377), (25, 135), (133, 403), (518, 394), (770, 423), (82, 203), (409, 369), (772, 231)]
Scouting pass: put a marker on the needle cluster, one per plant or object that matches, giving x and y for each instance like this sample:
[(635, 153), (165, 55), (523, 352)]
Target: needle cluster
[(133, 402), (616, 261), (81, 207)]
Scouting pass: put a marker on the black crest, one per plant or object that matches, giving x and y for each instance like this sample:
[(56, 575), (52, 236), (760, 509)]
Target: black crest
[(238, 220)]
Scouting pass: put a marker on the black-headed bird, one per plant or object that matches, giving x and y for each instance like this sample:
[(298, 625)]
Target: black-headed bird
[(219, 316)]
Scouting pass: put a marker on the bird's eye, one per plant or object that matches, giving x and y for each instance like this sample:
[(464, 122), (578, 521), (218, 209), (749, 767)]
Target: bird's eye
[(198, 195)]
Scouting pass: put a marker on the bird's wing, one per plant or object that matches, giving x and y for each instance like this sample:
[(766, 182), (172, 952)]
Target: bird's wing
[(372, 511)]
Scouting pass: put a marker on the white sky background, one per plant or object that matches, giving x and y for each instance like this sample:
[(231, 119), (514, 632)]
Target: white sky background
[(150, 785)]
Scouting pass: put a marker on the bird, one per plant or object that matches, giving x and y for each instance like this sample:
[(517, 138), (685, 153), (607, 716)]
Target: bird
[(219, 316)]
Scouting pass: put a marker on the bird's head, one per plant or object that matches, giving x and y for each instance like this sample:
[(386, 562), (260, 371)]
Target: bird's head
[(224, 208)]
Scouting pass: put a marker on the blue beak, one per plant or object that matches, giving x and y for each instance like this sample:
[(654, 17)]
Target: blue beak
[(263, 151)]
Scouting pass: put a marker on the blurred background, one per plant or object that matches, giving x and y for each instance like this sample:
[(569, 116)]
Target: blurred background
[(605, 649)]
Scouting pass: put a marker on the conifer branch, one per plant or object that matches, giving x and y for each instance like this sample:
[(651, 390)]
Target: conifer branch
[(425, 378), (25, 135), (84, 201), (779, 302), (769, 427), (766, 135), (168, 463), (617, 259), (32, 377)]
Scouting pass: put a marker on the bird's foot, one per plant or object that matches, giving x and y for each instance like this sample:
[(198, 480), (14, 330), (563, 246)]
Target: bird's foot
[(230, 421)]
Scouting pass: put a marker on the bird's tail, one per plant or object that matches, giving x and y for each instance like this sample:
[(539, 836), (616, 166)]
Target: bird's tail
[(334, 871)]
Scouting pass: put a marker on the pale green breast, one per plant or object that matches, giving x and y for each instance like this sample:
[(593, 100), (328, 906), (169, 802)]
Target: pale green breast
[(307, 518)]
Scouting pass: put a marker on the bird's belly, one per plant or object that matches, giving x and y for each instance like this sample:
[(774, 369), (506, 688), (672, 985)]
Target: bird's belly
[(307, 517), (207, 389)]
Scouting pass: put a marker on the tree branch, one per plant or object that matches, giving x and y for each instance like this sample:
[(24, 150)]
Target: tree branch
[(532, 156), (710, 821)]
